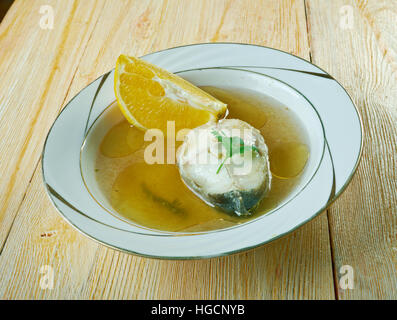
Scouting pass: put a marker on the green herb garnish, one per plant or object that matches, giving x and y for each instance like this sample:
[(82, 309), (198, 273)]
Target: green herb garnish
[(233, 145)]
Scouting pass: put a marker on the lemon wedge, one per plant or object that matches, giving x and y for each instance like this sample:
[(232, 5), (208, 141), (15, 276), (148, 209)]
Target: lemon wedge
[(150, 96)]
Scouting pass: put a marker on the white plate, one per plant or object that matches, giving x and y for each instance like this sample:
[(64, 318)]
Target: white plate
[(329, 114)]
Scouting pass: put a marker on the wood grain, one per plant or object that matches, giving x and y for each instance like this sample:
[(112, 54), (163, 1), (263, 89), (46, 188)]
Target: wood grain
[(363, 222), (33, 86), (43, 69)]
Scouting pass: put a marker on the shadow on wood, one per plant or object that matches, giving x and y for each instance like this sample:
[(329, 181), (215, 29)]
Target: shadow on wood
[(4, 6)]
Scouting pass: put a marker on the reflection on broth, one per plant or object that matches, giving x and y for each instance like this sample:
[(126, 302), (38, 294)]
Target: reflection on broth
[(154, 196)]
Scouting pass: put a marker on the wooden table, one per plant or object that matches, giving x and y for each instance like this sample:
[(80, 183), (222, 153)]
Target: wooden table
[(43, 68)]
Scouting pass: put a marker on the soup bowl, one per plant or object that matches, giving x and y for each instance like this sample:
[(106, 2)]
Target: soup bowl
[(71, 148)]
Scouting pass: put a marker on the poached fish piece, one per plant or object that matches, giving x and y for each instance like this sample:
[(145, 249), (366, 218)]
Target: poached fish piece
[(226, 164)]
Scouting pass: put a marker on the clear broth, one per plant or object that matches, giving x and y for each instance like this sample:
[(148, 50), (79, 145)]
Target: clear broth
[(154, 195)]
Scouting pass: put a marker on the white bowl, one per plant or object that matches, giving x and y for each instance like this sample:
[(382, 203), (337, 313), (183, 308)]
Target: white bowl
[(305, 89)]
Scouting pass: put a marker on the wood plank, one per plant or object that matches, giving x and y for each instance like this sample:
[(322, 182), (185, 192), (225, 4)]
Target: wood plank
[(297, 266), (37, 67), (363, 221)]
